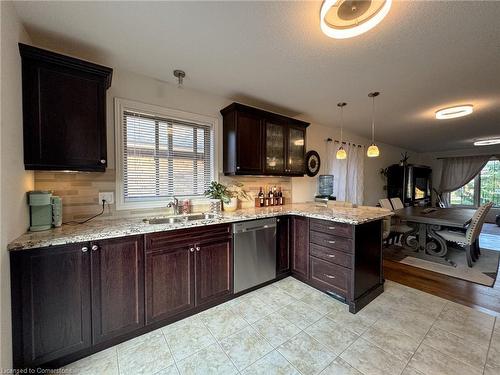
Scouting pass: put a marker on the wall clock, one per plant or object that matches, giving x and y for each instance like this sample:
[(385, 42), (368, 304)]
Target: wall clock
[(313, 163)]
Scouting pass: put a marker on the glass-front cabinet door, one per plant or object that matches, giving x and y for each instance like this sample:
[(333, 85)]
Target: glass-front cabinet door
[(275, 148), (296, 151)]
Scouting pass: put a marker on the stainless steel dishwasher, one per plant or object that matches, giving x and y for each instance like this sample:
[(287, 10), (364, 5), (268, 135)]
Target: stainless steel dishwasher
[(254, 253)]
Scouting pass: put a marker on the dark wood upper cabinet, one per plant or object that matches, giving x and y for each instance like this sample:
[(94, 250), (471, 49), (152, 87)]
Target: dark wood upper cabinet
[(117, 287), (257, 142), (51, 303), (64, 111), (299, 246), (275, 148)]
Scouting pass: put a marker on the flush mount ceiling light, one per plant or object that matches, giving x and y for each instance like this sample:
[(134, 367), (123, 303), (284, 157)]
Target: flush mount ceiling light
[(487, 142), (454, 112), (341, 154), (342, 19)]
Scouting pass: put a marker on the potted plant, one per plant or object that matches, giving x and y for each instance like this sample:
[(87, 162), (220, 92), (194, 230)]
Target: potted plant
[(236, 193), (217, 193)]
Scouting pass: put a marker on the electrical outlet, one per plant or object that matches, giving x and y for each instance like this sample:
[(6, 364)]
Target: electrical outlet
[(108, 196)]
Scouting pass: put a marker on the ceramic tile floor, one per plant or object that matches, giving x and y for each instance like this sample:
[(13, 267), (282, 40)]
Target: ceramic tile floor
[(291, 328)]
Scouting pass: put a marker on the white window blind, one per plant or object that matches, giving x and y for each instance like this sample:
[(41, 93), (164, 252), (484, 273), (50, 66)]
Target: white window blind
[(165, 157)]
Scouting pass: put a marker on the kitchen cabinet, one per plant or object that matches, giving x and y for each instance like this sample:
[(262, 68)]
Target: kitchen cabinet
[(295, 151), (214, 265), (68, 298), (299, 247), (64, 111), (72, 300), (117, 287), (257, 142), (51, 303), (169, 281), (283, 245), (196, 263), (346, 260)]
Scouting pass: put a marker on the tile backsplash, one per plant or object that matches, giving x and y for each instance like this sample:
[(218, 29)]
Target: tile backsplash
[(80, 191)]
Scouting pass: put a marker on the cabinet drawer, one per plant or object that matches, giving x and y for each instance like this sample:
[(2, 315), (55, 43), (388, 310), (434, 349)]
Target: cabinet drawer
[(330, 274), (336, 229), (330, 255), (187, 236), (332, 242)]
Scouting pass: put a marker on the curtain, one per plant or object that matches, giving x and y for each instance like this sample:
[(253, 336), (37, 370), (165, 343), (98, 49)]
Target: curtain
[(458, 171), (348, 173)]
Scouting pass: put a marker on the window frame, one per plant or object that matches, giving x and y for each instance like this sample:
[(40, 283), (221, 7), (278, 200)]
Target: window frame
[(121, 106)]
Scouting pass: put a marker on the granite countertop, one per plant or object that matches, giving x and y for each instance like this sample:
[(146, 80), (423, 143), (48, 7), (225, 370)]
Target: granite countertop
[(112, 228)]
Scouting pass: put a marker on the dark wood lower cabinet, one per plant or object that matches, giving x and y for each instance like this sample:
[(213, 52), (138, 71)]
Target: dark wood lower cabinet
[(169, 282), (73, 300), (117, 287), (299, 246), (346, 261), (51, 303), (283, 245), (214, 270)]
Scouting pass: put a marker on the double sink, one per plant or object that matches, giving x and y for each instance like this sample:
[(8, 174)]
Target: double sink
[(173, 219)]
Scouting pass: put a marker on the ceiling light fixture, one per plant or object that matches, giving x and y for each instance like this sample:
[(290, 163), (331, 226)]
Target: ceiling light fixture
[(180, 75), (341, 19), (341, 154), (487, 142), (454, 112), (373, 150)]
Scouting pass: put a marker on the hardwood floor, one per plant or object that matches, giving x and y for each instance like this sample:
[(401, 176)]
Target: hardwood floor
[(467, 293)]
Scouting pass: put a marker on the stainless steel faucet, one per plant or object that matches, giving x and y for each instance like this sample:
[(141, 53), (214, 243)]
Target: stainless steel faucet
[(175, 205)]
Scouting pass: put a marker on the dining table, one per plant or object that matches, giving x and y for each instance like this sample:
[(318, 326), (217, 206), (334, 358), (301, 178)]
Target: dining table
[(424, 240)]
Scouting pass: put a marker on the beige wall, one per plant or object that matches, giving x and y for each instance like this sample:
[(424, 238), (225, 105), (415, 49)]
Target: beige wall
[(304, 188), (79, 191), (14, 180)]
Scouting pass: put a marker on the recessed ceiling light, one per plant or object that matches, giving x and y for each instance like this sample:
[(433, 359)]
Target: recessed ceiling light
[(487, 142), (341, 19), (454, 112)]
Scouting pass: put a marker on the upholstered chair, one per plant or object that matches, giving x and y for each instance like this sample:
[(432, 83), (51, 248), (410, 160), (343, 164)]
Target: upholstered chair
[(470, 239)]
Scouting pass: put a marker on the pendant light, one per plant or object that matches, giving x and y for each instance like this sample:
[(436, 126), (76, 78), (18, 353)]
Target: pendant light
[(341, 154), (373, 150)]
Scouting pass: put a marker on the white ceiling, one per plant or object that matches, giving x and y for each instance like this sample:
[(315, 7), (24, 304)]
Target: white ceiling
[(423, 56)]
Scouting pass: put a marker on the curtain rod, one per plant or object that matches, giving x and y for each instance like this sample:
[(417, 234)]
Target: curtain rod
[(468, 156), (343, 142)]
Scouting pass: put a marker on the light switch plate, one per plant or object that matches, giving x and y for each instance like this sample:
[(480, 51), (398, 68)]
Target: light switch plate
[(108, 196)]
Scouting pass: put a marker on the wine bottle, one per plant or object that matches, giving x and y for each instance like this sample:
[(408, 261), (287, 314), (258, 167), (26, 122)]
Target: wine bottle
[(261, 197)]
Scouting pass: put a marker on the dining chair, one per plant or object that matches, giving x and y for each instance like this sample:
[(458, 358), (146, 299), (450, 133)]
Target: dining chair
[(470, 239), (386, 225), (385, 203), (397, 204), (398, 228)]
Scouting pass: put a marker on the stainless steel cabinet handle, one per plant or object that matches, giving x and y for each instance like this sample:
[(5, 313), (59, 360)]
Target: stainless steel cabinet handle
[(331, 256), (331, 228), (331, 241), (330, 276), (197, 248), (95, 247), (102, 161), (85, 249), (191, 249), (238, 167)]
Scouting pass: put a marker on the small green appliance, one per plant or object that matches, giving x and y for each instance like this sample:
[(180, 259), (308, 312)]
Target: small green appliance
[(45, 210)]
